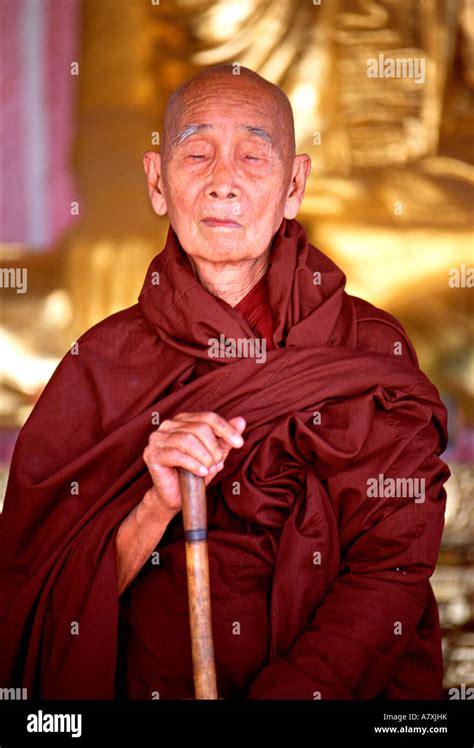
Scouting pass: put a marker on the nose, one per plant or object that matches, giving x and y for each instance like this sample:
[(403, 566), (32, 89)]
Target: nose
[(222, 183)]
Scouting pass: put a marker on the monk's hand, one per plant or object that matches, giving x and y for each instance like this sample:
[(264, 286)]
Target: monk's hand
[(198, 442)]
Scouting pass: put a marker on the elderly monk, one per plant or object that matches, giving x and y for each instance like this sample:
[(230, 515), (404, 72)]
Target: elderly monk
[(304, 409)]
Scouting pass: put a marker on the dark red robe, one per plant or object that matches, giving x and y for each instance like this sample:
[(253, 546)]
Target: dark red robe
[(319, 590)]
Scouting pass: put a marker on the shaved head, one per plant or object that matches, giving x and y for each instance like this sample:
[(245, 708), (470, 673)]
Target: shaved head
[(227, 174), (221, 80)]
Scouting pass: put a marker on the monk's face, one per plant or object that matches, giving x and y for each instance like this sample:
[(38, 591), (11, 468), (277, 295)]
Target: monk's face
[(227, 174)]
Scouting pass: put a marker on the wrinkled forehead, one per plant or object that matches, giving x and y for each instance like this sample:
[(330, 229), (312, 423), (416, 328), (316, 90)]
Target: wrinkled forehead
[(235, 107), (224, 128), (226, 102)]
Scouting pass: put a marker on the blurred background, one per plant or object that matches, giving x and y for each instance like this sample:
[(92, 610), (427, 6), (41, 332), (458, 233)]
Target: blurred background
[(84, 84)]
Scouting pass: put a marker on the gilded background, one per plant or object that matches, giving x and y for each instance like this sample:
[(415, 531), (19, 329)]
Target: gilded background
[(389, 198)]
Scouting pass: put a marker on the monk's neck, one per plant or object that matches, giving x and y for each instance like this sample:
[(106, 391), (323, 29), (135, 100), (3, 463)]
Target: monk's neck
[(230, 281)]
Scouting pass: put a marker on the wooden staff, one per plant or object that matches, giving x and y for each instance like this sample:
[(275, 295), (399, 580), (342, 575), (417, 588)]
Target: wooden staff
[(193, 492)]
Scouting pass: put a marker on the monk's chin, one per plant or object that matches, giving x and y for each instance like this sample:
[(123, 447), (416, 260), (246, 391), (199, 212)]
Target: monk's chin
[(222, 249)]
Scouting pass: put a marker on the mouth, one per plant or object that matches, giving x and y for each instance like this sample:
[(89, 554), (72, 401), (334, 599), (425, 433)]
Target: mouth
[(221, 223)]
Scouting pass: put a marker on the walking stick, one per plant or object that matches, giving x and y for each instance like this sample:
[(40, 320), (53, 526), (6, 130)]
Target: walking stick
[(193, 491)]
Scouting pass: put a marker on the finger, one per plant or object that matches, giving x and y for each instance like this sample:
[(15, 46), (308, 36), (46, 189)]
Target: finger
[(213, 472), (220, 426), (239, 423), (201, 431), (224, 448), (171, 457), (223, 445), (191, 444)]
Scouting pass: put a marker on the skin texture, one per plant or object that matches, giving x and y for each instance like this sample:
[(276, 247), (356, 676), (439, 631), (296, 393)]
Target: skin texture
[(226, 177), (228, 172), (199, 442)]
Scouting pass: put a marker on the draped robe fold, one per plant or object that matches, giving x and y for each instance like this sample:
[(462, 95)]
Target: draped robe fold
[(319, 588)]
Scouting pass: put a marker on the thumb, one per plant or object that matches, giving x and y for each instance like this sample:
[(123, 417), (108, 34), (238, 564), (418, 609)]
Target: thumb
[(238, 423)]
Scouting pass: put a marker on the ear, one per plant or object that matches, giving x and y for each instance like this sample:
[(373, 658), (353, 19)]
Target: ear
[(154, 179), (300, 174)]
